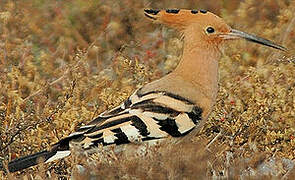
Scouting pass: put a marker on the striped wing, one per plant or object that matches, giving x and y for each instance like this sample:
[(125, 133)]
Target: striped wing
[(142, 117)]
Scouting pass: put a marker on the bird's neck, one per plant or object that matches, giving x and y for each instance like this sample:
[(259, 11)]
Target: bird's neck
[(199, 66)]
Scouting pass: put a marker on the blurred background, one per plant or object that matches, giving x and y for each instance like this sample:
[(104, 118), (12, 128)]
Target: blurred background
[(64, 62)]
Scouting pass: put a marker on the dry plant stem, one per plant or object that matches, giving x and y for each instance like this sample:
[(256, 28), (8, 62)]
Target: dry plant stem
[(286, 34), (50, 84), (288, 174), (20, 130), (41, 120), (69, 69), (289, 29), (213, 140)]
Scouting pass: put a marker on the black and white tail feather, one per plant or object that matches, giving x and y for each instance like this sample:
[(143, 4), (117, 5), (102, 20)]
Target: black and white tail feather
[(142, 117)]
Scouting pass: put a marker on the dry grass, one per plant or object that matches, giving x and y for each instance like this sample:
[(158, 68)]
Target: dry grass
[(64, 62)]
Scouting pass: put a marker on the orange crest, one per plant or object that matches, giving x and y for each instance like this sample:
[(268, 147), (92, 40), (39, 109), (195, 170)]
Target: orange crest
[(181, 18)]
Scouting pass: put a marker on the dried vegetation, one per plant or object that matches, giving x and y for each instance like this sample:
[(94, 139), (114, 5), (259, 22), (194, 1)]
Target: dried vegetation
[(64, 62)]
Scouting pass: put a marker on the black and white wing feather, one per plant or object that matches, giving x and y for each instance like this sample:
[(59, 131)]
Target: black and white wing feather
[(142, 117), (154, 115)]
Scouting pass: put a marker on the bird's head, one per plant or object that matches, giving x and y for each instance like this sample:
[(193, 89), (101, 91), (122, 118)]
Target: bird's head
[(204, 28)]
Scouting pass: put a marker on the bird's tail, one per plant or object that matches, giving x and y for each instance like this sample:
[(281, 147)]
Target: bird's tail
[(34, 159), (58, 151)]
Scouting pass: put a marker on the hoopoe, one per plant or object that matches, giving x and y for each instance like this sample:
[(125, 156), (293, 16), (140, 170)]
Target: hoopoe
[(172, 106)]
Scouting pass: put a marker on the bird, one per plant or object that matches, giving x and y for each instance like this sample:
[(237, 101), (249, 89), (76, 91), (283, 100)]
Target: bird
[(176, 105)]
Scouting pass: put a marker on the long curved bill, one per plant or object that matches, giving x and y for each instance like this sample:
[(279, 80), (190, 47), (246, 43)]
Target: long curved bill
[(234, 34)]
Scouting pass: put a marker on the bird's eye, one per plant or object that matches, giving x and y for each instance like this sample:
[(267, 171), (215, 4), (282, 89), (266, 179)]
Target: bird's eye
[(210, 30)]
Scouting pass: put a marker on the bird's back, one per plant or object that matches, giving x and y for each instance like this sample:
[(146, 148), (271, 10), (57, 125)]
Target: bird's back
[(157, 110)]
